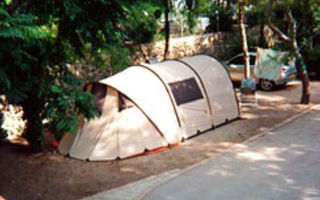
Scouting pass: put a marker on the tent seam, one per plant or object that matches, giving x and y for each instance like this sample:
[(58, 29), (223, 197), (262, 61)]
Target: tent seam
[(202, 84), (234, 90), (167, 89), (144, 113)]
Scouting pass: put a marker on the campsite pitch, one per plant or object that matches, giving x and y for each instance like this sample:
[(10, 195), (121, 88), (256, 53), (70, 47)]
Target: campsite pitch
[(49, 175)]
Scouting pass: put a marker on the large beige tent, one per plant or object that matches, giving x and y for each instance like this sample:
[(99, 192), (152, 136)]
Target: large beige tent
[(151, 106)]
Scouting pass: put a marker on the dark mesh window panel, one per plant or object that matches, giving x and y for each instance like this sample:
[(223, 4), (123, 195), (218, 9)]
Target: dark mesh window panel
[(99, 91), (185, 91), (125, 102)]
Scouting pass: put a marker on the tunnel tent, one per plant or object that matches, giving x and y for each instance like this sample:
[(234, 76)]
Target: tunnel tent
[(147, 107)]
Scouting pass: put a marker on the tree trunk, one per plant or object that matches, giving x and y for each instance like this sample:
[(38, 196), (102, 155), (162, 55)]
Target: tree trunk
[(300, 65), (244, 42), (167, 28), (292, 40), (32, 108), (302, 74)]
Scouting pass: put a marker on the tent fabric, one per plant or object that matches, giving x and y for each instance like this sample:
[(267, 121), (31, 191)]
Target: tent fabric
[(193, 116), (219, 88), (147, 91), (169, 102)]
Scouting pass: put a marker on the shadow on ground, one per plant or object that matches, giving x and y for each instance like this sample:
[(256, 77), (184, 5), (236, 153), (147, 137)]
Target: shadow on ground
[(49, 175)]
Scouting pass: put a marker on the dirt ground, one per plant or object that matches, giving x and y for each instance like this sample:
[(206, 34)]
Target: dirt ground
[(49, 175)]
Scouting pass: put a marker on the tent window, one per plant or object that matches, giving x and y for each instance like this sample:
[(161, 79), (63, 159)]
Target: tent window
[(99, 91), (124, 102), (185, 91)]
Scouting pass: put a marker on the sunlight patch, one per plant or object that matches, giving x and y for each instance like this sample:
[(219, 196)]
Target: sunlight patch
[(220, 172), (269, 154)]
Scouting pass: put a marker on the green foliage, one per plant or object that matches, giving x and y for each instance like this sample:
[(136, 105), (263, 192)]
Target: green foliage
[(28, 74), (119, 57), (19, 38), (194, 10), (186, 13), (255, 17), (234, 45), (315, 8), (192, 21), (65, 103), (220, 19), (20, 26), (140, 22), (39, 39)]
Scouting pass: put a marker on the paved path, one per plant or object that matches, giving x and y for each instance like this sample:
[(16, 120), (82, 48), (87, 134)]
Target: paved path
[(283, 164)]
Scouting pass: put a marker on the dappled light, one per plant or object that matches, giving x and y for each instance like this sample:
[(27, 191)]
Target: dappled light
[(208, 145), (220, 172), (281, 164), (13, 123), (250, 116), (85, 81), (267, 97), (267, 154)]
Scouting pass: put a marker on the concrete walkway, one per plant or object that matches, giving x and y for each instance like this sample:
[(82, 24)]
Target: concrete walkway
[(281, 164)]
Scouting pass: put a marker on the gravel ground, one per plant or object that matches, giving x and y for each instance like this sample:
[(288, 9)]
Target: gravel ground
[(49, 175)]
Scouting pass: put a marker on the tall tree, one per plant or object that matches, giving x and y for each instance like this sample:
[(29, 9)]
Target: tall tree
[(291, 39), (37, 42), (243, 39), (31, 75), (167, 8)]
